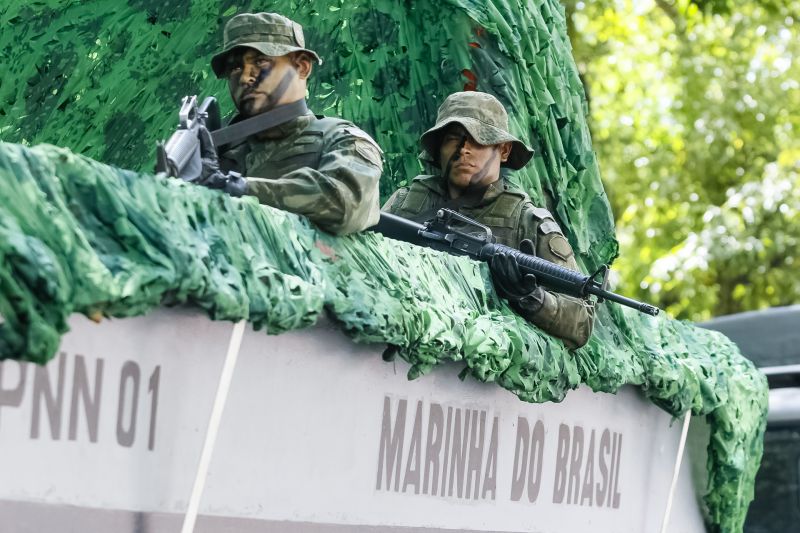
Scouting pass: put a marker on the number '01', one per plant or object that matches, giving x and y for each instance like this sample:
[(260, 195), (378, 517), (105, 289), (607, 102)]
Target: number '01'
[(129, 386)]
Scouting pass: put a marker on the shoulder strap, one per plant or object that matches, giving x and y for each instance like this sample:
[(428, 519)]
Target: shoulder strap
[(540, 213), (508, 204), (263, 121), (325, 125)]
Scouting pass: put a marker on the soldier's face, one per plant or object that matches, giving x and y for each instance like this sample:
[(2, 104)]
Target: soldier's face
[(258, 82), (466, 163)]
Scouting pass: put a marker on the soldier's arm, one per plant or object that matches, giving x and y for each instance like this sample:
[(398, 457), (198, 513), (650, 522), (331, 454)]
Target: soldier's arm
[(395, 200), (341, 196), (570, 319)]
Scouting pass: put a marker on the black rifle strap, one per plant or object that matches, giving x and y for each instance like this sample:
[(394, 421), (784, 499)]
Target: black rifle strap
[(261, 122)]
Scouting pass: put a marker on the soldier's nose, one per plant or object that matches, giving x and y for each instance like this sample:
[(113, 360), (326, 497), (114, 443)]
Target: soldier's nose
[(248, 76)]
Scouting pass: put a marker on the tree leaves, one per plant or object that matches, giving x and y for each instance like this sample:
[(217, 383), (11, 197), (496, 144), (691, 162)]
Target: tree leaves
[(690, 109)]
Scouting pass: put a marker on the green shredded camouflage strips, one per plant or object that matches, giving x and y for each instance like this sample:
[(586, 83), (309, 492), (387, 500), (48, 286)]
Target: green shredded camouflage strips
[(104, 80)]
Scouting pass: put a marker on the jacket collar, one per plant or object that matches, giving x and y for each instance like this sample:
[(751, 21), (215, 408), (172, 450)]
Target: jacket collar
[(491, 192)]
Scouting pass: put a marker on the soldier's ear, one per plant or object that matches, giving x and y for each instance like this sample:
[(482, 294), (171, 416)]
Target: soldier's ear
[(303, 64), (505, 151)]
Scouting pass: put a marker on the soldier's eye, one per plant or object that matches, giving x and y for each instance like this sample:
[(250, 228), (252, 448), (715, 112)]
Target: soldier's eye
[(233, 64)]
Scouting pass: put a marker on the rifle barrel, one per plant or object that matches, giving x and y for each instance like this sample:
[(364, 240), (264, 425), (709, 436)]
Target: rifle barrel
[(624, 300)]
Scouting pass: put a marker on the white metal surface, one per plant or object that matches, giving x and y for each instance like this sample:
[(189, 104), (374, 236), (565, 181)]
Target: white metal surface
[(312, 424), (780, 370), (784, 405)]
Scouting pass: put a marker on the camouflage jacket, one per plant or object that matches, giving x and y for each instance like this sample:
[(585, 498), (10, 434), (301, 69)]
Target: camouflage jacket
[(324, 168), (512, 217)]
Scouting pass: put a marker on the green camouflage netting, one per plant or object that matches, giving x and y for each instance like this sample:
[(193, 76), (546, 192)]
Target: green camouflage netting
[(105, 80)]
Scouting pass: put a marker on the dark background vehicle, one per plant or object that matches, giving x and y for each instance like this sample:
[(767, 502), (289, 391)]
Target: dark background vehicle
[(771, 339)]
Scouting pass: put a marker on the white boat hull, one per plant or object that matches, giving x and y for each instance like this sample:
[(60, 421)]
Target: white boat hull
[(318, 435)]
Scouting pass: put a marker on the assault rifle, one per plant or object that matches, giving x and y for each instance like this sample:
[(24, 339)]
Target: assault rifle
[(180, 156), (440, 233)]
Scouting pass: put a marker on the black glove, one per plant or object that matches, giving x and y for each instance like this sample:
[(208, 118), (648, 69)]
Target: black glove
[(211, 176), (521, 290)]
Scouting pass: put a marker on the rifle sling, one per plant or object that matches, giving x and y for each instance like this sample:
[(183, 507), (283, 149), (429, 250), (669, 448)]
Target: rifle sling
[(261, 122)]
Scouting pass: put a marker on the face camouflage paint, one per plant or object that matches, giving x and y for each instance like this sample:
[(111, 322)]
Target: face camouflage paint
[(275, 96), (469, 163), (456, 155), (479, 176), (263, 74), (259, 83)]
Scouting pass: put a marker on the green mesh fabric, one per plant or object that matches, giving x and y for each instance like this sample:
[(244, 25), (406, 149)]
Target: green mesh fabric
[(76, 236), (105, 80)]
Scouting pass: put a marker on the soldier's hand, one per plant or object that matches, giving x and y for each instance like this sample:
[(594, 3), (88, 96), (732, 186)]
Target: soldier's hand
[(211, 176), (509, 281), (534, 300), (521, 290)]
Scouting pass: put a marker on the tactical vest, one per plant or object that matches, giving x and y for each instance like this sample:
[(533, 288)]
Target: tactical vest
[(502, 215), (284, 155)]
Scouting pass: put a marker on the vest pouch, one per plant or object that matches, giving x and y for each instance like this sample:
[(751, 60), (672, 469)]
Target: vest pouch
[(304, 147), (502, 217), (302, 152), (499, 222), (415, 201)]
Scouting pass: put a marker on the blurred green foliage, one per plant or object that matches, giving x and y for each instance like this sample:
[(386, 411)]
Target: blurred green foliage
[(694, 119)]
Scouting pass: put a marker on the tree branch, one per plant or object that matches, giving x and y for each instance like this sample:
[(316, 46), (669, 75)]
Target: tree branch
[(676, 18)]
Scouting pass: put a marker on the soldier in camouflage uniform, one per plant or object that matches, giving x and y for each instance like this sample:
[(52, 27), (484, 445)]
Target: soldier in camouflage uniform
[(324, 168), (469, 144)]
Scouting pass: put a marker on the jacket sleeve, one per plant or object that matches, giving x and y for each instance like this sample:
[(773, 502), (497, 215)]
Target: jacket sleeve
[(395, 200), (341, 196), (570, 319)]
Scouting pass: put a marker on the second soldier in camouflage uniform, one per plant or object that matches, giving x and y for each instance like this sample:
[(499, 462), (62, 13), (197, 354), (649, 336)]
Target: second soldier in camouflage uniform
[(324, 168), (469, 144)]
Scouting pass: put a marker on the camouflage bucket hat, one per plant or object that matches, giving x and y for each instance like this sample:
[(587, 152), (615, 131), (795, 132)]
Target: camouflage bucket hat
[(269, 33), (484, 117)]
